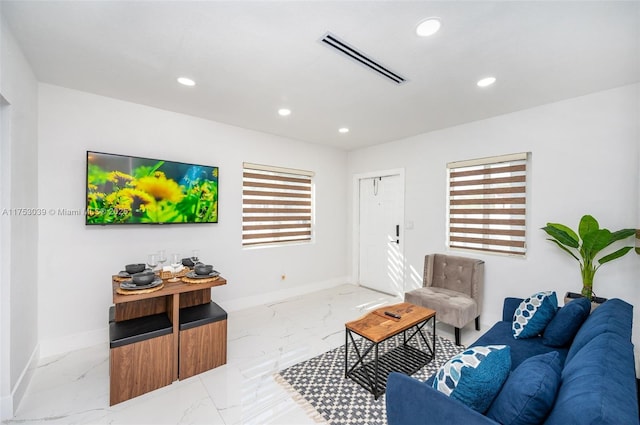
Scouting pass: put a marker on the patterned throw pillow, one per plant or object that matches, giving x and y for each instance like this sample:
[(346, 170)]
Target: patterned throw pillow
[(475, 376), (533, 314)]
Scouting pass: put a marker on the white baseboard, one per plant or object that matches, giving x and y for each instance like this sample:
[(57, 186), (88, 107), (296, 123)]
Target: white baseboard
[(53, 346), (6, 408), (9, 404), (270, 297)]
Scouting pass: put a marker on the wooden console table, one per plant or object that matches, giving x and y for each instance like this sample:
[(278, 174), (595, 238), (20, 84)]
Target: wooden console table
[(170, 299)]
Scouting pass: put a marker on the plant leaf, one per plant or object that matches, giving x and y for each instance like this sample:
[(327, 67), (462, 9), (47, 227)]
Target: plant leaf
[(595, 241), (565, 229), (619, 253), (622, 234), (587, 225), (559, 233), (565, 249)]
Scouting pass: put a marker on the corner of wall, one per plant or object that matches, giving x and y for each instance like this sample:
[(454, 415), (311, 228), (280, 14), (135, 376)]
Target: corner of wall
[(9, 404), (6, 407)]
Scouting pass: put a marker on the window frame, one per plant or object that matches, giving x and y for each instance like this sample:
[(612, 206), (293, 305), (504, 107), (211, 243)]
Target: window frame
[(489, 231), (283, 220)]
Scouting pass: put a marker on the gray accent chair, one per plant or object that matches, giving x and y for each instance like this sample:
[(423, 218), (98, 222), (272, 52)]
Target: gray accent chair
[(453, 287)]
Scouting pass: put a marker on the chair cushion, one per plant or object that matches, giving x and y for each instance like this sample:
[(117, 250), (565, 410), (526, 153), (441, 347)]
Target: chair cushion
[(138, 329), (453, 308), (453, 272), (533, 314), (528, 394), (565, 324), (475, 376), (199, 315)]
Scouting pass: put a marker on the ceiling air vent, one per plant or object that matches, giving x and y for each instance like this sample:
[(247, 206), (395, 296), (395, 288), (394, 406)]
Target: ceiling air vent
[(352, 53)]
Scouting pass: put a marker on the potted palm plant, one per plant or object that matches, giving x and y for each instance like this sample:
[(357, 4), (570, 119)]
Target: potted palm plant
[(585, 245)]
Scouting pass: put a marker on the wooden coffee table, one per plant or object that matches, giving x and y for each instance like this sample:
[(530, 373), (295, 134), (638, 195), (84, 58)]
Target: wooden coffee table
[(376, 327)]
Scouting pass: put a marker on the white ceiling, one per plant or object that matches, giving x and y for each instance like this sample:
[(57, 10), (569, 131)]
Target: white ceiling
[(251, 58)]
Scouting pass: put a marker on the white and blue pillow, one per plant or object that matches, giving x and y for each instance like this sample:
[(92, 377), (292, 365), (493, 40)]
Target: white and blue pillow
[(475, 376), (534, 314)]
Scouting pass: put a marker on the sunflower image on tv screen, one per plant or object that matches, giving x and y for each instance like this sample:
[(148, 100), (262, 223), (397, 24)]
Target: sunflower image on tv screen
[(123, 189)]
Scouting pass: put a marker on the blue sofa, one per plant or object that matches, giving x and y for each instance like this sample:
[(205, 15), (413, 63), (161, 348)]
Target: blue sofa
[(597, 384)]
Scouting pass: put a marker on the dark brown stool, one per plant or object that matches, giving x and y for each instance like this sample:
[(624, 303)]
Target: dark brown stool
[(203, 339), (140, 356)]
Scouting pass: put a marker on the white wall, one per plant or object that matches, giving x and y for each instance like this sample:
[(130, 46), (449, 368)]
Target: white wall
[(18, 234), (77, 261), (584, 160)]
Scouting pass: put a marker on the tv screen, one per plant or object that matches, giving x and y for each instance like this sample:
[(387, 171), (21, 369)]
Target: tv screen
[(127, 189)]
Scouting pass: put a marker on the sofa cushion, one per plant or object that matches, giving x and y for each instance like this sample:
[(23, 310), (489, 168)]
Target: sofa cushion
[(612, 316), (598, 385), (529, 392), (521, 349), (565, 324), (509, 307), (475, 376), (533, 314), (454, 308)]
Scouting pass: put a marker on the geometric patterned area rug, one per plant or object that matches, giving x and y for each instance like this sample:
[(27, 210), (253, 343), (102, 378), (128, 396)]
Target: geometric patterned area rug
[(319, 385)]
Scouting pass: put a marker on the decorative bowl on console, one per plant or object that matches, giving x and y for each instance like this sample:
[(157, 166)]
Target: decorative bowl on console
[(143, 278), (134, 268), (203, 269)]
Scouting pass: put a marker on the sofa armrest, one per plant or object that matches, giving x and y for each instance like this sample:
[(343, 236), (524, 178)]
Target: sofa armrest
[(410, 401), (509, 307)]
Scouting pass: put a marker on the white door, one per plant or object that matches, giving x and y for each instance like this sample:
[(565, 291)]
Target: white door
[(380, 232)]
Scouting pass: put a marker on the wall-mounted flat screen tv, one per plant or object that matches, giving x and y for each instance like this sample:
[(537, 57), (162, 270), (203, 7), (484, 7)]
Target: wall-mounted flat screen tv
[(130, 190)]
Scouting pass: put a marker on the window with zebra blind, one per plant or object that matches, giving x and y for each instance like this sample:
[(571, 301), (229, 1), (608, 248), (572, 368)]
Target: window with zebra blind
[(277, 205), (487, 204)]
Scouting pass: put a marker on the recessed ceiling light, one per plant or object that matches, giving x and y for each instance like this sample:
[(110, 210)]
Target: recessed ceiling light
[(284, 112), (428, 27), (343, 130), (486, 81), (186, 81)]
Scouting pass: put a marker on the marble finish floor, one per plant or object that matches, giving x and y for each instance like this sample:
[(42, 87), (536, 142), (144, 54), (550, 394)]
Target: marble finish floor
[(73, 388)]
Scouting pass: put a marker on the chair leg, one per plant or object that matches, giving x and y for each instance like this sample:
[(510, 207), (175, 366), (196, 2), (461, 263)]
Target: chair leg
[(478, 323), (457, 331)]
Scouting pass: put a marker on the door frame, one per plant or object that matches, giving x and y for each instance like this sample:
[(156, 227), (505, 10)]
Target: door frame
[(355, 219)]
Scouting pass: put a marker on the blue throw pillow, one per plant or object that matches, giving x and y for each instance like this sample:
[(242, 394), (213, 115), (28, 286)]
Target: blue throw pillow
[(564, 326), (475, 376), (528, 395), (533, 314)]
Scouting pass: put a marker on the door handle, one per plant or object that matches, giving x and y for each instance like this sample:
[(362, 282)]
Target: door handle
[(398, 234)]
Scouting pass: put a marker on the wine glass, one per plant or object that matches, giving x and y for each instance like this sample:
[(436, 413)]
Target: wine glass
[(195, 256), (162, 258), (176, 262), (152, 261)]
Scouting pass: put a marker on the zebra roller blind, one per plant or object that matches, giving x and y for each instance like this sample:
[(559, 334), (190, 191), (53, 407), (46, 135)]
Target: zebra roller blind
[(276, 205), (487, 204)]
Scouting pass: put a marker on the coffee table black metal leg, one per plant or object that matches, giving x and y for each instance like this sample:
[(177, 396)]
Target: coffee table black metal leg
[(346, 352), (434, 336), (375, 373)]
